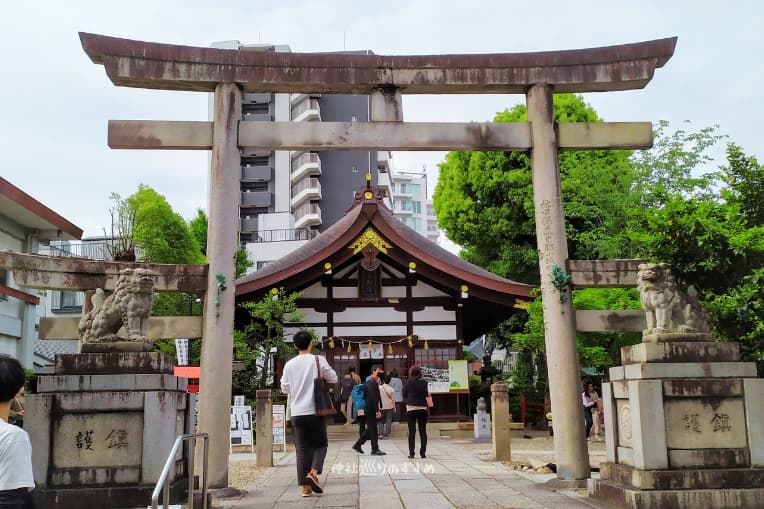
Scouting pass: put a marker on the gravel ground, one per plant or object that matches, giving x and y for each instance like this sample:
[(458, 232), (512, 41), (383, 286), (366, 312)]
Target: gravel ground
[(533, 444)]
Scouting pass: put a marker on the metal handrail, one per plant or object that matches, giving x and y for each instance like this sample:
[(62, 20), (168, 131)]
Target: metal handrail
[(163, 478)]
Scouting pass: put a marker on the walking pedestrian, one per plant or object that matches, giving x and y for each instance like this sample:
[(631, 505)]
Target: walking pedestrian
[(372, 412), (16, 479), (397, 384), (346, 401), (386, 393), (309, 429), (16, 415), (596, 410), (588, 405), (415, 393)]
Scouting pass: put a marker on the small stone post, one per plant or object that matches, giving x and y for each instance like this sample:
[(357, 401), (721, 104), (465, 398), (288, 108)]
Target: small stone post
[(500, 421), (264, 429)]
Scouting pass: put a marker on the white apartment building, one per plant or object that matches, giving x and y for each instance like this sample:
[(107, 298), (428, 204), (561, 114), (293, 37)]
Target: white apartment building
[(410, 203)]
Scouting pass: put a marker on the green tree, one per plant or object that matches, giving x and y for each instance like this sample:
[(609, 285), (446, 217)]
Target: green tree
[(199, 225), (254, 342), (484, 200), (161, 233)]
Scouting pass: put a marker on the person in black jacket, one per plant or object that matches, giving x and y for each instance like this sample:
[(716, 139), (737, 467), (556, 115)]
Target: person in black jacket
[(373, 412), (415, 394)]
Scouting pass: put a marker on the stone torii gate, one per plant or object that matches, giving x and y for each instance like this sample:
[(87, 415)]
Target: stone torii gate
[(228, 73)]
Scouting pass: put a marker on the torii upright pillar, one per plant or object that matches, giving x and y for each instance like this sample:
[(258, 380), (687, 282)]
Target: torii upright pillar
[(559, 321), (222, 238)]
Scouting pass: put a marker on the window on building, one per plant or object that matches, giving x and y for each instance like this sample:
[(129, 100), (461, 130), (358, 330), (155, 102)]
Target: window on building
[(3, 282), (411, 206), (412, 222), (412, 189), (260, 265), (64, 301), (436, 358)]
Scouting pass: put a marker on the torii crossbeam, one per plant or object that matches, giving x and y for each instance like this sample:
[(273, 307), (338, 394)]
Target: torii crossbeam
[(228, 73)]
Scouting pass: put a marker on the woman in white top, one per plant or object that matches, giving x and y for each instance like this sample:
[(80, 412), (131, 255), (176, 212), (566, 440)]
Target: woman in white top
[(16, 480), (310, 440), (387, 396), (588, 406)]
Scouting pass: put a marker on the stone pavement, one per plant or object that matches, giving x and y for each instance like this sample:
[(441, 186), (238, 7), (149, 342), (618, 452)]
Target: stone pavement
[(451, 476)]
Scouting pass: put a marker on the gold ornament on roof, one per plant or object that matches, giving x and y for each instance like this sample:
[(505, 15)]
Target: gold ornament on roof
[(370, 237)]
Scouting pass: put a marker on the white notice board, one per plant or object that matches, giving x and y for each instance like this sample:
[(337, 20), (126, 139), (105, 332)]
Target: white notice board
[(242, 426), (279, 425)]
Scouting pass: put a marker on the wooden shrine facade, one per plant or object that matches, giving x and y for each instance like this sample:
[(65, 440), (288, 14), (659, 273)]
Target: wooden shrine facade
[(375, 291)]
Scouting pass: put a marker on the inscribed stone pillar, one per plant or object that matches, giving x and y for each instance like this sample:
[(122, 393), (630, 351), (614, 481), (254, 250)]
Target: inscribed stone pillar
[(559, 321), (264, 429), (500, 429), (222, 243)]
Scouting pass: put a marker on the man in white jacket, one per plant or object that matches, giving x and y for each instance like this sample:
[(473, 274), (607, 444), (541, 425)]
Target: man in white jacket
[(309, 429)]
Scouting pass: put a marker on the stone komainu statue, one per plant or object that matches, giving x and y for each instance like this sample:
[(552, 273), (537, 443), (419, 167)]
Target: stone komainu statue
[(129, 306), (668, 309)]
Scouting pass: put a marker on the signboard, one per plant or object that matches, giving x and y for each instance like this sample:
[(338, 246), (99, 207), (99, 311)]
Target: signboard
[(437, 379), (181, 351), (279, 425), (241, 426), (238, 400), (457, 376)]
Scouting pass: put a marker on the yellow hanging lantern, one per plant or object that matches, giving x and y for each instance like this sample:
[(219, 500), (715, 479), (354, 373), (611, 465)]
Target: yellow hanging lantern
[(411, 343), (426, 346), (349, 347), (370, 345), (331, 342), (390, 349)]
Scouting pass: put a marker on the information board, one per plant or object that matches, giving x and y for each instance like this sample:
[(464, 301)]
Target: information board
[(279, 425), (457, 376), (241, 426), (437, 379)]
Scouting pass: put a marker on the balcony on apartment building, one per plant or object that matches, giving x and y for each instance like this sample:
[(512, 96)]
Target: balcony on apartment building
[(293, 234), (256, 107), (256, 199), (256, 173), (305, 109), (306, 189), (307, 214), (306, 163)]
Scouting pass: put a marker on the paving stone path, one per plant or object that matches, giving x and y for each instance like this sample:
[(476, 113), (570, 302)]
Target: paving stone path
[(451, 476)]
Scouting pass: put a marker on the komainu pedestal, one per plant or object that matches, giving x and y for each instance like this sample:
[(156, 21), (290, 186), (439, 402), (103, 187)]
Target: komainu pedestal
[(684, 426), (102, 427)]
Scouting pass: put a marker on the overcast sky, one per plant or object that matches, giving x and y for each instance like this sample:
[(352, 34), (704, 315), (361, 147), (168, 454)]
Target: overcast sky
[(55, 104)]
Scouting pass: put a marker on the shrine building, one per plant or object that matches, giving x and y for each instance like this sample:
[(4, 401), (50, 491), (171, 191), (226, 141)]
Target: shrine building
[(376, 291)]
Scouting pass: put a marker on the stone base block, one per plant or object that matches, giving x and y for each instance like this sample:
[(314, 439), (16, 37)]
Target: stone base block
[(695, 479), (114, 363), (663, 337), (104, 498), (624, 497), (680, 352), (642, 371)]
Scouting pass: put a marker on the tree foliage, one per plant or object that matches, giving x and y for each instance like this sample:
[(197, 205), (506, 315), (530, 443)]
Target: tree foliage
[(161, 233), (257, 343), (484, 200)]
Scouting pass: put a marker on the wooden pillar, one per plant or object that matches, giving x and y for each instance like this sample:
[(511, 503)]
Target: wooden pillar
[(500, 430), (264, 429), (222, 243), (559, 321)]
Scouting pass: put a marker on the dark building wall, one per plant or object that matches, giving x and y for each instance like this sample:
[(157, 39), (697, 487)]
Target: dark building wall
[(338, 178)]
